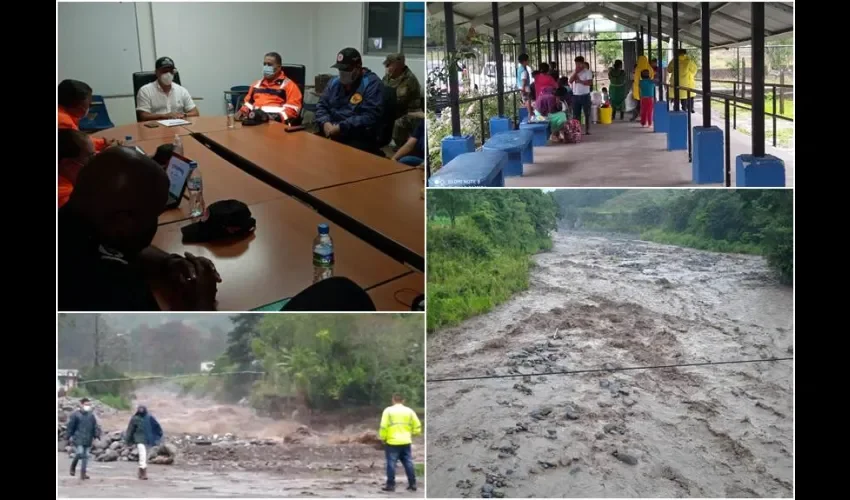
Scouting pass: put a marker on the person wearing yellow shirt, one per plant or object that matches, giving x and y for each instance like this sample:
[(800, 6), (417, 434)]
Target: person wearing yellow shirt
[(398, 426)]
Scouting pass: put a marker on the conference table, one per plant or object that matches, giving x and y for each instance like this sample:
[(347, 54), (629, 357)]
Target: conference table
[(275, 262)]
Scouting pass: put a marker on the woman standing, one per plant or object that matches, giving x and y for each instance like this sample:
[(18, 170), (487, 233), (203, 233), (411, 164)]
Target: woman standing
[(617, 91)]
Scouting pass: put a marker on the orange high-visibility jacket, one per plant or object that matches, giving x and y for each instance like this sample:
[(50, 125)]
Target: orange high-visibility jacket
[(279, 95), (66, 120)]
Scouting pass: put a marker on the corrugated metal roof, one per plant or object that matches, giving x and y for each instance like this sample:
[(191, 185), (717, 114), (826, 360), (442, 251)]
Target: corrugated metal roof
[(730, 21)]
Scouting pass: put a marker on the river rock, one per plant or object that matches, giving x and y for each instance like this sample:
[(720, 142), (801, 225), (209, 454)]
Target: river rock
[(625, 457), (464, 484), (541, 413)]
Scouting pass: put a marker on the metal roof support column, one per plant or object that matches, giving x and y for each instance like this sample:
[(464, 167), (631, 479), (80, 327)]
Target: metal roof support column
[(500, 64), (705, 15), (757, 96), (450, 53)]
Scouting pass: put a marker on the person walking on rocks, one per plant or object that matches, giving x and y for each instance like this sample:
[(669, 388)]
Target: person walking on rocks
[(398, 426), (143, 431), (82, 430)]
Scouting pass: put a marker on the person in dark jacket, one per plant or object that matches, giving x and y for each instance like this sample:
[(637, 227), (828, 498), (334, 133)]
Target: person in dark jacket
[(351, 108), (82, 430), (143, 431)]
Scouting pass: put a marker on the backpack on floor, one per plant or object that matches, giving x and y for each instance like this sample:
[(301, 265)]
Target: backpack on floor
[(574, 131)]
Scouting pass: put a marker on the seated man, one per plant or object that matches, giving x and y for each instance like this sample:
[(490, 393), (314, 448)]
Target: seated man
[(75, 151), (408, 97), (163, 99), (275, 94), (351, 108), (412, 153), (74, 99), (105, 232)]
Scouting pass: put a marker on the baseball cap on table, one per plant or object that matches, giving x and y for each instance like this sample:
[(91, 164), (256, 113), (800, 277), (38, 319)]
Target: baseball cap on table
[(164, 62), (223, 220), (347, 58), (398, 57)]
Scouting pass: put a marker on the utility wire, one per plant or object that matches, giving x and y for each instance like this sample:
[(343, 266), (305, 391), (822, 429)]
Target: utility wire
[(161, 377), (608, 370)]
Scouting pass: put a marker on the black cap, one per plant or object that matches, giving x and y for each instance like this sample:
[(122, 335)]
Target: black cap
[(164, 62), (347, 58), (222, 220), (256, 117)]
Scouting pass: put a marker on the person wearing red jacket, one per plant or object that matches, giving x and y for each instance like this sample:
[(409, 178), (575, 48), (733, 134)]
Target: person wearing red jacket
[(275, 94), (74, 99)]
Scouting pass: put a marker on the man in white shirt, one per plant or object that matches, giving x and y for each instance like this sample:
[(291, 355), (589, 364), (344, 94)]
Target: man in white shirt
[(163, 99), (582, 79)]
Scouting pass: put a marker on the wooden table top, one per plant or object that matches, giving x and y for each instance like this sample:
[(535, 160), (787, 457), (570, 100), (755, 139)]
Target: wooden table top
[(303, 159), (398, 294), (204, 124), (391, 205), (222, 181), (141, 133), (276, 261)]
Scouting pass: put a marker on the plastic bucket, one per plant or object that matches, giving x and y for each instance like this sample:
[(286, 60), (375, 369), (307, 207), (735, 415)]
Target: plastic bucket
[(605, 115)]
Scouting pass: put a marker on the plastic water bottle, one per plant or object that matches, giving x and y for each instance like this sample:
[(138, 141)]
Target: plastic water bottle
[(231, 116), (128, 141), (195, 185), (323, 254), (178, 145)]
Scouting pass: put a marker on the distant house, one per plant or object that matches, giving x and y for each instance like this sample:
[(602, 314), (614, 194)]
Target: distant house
[(67, 379), (207, 366)]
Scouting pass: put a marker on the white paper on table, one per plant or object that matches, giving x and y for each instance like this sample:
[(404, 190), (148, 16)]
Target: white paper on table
[(174, 122)]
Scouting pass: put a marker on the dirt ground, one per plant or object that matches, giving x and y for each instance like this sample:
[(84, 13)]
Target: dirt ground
[(608, 301), (257, 462)]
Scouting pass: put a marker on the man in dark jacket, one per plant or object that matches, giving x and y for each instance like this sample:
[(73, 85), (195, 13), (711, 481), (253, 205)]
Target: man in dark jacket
[(143, 431), (351, 108), (82, 430)]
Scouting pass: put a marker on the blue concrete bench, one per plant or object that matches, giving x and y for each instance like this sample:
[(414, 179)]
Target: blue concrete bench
[(478, 169), (540, 131), (517, 144)]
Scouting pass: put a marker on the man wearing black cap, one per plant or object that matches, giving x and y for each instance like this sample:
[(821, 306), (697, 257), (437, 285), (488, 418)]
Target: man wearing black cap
[(351, 108), (163, 99)]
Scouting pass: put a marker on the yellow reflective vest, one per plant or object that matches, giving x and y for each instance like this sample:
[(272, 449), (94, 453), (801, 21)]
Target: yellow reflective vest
[(398, 425)]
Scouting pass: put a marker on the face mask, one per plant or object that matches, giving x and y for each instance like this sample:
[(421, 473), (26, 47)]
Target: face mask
[(86, 408), (346, 77), (166, 78), (268, 70)]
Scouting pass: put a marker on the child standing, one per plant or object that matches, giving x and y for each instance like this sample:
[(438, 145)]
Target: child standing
[(647, 98)]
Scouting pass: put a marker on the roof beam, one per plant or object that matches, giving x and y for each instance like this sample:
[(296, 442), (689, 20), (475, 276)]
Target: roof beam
[(624, 8), (618, 17), (776, 34), (537, 15), (503, 10), (563, 20), (784, 8)]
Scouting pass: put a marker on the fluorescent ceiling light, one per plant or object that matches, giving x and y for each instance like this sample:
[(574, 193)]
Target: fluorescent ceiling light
[(595, 16)]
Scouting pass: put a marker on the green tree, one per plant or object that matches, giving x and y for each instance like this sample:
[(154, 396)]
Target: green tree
[(610, 49)]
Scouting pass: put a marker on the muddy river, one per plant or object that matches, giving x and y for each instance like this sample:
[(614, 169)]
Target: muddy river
[(317, 456), (612, 301)]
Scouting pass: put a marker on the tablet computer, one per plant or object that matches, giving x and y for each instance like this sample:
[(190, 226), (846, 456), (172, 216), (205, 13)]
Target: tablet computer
[(178, 170)]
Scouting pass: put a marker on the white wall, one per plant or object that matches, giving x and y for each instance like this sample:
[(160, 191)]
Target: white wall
[(219, 45)]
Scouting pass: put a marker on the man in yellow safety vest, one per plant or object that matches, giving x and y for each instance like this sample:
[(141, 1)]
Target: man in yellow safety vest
[(398, 426)]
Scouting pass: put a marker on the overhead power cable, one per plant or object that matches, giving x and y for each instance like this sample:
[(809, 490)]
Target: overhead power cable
[(606, 370)]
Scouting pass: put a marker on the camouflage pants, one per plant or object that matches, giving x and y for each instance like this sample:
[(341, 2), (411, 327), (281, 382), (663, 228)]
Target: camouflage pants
[(403, 128)]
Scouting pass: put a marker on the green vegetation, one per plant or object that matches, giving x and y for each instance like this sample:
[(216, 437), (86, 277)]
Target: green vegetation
[(479, 248), (114, 393), (321, 361), (741, 221)]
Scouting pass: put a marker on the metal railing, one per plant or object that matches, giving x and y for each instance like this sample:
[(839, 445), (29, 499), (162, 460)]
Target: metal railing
[(510, 97), (727, 132)]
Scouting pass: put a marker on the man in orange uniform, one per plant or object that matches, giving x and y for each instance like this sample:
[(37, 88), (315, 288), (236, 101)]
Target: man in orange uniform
[(75, 150), (275, 94), (74, 98)]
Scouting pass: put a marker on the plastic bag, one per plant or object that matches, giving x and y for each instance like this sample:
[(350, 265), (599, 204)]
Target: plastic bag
[(596, 98), (630, 103)]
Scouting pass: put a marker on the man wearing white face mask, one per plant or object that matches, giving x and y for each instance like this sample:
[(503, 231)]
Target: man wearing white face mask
[(163, 99), (275, 94), (82, 430)]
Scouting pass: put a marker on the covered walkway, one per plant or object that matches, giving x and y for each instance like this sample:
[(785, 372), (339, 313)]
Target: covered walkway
[(624, 154)]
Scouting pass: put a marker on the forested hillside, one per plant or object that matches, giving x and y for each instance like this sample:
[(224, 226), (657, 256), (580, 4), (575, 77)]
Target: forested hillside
[(479, 248), (745, 221)]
